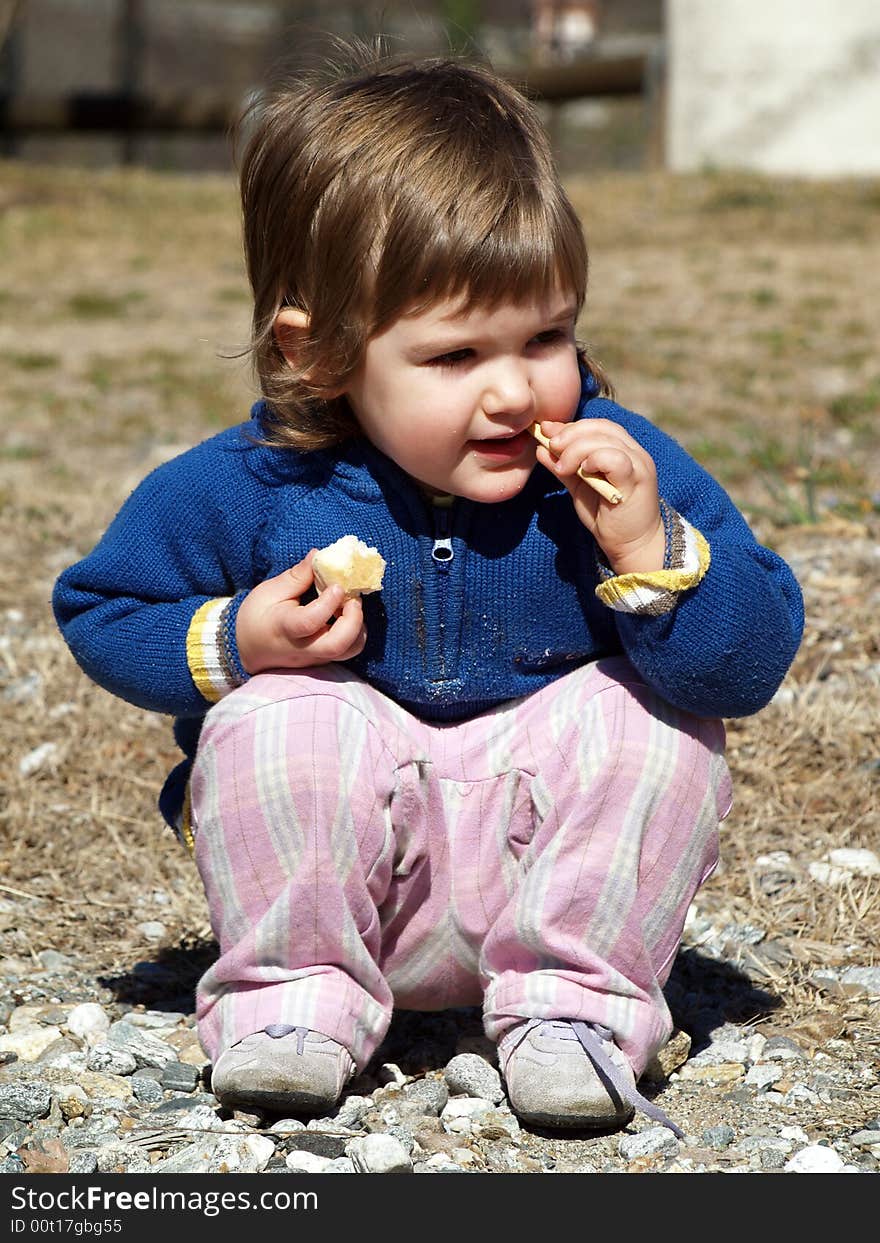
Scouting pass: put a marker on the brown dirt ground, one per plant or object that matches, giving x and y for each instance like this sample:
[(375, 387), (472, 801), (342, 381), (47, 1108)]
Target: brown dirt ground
[(738, 313)]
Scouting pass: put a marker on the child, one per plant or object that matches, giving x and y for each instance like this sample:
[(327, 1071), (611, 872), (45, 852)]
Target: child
[(500, 780)]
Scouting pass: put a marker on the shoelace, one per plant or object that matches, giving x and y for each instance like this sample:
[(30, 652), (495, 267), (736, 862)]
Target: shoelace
[(277, 1030), (594, 1037)]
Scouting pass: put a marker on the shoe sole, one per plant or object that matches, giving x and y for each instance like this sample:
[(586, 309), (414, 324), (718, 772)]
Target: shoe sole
[(576, 1122), (276, 1101)]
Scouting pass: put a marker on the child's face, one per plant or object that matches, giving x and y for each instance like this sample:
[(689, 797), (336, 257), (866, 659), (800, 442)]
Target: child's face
[(449, 396)]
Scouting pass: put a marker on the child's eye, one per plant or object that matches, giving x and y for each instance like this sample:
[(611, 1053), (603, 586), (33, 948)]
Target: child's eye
[(452, 359), (550, 337)]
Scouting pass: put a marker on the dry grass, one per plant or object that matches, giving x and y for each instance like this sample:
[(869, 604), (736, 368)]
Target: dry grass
[(737, 313)]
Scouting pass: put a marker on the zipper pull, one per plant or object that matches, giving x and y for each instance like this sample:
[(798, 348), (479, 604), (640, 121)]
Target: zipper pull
[(442, 551)]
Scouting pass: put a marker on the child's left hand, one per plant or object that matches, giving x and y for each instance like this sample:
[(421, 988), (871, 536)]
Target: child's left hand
[(631, 533)]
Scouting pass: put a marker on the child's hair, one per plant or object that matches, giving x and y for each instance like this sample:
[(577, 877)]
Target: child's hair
[(381, 190)]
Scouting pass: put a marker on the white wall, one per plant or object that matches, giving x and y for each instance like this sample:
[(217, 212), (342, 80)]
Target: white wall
[(780, 86)]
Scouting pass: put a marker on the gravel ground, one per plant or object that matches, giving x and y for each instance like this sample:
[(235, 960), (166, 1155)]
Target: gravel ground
[(98, 1078)]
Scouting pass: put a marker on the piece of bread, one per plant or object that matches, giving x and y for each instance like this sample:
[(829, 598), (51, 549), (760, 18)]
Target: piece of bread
[(357, 568)]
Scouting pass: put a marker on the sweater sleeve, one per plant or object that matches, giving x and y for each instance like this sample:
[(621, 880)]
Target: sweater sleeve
[(721, 645), (149, 613)]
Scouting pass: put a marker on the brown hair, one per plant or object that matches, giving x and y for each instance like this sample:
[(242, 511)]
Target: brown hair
[(381, 190)]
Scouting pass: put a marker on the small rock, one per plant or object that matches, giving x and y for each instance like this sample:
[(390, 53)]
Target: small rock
[(108, 1060), (866, 980), (350, 1111), (82, 1163), (440, 1163), (157, 1020), (118, 1158), (772, 1159), (246, 1154), (816, 1159), (73, 1101), (726, 1072), (718, 1137), (859, 862), (496, 1124), (340, 1165), (468, 1074), (53, 960), (146, 1049), (782, 1049), (152, 930), (198, 1115), (827, 874), (865, 1139), (27, 1043), (721, 1051), (431, 1094), (25, 1101), (378, 1154), (655, 1141), (318, 1142), (764, 1076), (287, 1126), (673, 1055), (179, 1077), (306, 1162), (147, 1091), (89, 1021), (465, 1107)]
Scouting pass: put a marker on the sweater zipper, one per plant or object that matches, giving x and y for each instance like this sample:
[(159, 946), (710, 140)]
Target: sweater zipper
[(442, 553)]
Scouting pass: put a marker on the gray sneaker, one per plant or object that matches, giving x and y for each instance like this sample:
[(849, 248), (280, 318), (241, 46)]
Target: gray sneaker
[(283, 1069), (562, 1073)]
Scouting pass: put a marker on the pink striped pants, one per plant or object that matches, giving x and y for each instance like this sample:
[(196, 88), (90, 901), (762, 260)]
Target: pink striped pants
[(538, 859)]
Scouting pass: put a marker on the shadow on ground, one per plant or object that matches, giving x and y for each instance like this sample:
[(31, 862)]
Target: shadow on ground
[(703, 993)]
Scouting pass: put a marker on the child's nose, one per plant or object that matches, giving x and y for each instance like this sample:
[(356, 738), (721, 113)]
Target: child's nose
[(508, 390)]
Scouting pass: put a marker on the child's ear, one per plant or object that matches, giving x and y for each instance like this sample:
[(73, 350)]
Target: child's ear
[(291, 325)]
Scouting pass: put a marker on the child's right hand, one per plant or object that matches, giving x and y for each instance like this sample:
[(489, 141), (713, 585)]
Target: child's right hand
[(274, 631)]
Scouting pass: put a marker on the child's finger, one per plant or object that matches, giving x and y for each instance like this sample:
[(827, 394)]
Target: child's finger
[(343, 639), (302, 621)]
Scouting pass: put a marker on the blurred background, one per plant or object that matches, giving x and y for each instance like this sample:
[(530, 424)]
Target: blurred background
[(791, 87)]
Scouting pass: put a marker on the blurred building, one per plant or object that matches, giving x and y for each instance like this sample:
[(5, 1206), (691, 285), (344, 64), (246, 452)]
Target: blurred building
[(790, 87)]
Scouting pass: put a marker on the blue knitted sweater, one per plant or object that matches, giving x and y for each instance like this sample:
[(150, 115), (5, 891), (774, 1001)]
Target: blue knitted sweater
[(513, 608)]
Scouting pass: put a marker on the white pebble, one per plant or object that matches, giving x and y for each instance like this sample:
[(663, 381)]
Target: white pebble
[(37, 759), (89, 1021), (471, 1075), (378, 1154), (656, 1140), (825, 874), (152, 930), (111, 1061), (306, 1162), (859, 862), (465, 1107), (29, 1042), (764, 1076), (816, 1159)]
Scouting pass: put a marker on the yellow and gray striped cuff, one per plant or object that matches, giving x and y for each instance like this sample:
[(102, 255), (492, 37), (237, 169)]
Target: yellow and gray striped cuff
[(656, 592), (206, 652)]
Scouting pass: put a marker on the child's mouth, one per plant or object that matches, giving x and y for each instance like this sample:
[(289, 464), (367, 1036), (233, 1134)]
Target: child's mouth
[(502, 447)]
